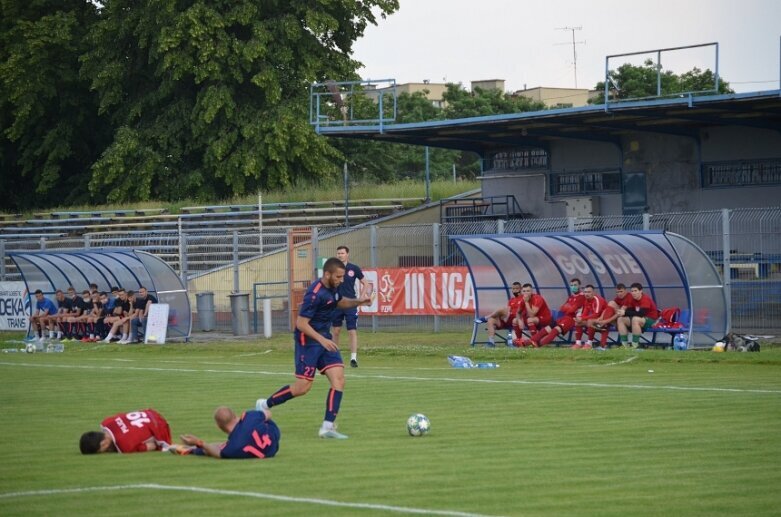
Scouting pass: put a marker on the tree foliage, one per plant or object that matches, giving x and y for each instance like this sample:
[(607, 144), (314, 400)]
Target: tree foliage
[(632, 82), (51, 130), (209, 98)]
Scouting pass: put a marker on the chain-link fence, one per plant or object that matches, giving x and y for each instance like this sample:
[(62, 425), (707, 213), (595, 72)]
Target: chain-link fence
[(744, 243)]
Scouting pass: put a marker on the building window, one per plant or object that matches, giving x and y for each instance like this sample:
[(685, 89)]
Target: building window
[(517, 160), (585, 182), (741, 173)]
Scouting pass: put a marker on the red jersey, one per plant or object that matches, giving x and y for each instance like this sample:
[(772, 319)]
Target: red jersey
[(575, 303), (645, 302), (624, 301), (129, 431), (515, 305), (592, 309), (543, 312)]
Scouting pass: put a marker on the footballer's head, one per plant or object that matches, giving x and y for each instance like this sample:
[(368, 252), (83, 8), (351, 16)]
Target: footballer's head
[(92, 442), (343, 253), (333, 272)]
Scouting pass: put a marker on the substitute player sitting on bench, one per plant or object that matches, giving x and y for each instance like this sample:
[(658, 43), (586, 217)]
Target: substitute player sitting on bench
[(505, 318)]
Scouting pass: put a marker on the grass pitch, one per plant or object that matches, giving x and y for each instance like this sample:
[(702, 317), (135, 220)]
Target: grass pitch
[(550, 432)]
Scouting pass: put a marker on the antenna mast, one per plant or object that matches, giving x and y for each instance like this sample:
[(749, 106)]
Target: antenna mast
[(574, 52)]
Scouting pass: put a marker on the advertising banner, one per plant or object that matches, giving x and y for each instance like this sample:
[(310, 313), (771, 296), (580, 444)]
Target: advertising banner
[(14, 306), (420, 291)]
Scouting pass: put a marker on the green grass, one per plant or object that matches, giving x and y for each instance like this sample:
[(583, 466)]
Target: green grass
[(551, 432), (440, 189)]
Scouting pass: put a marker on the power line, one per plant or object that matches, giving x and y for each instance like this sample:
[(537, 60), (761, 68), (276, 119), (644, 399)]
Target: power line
[(574, 52)]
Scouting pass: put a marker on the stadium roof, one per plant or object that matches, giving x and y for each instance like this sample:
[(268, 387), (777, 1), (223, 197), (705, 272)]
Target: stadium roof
[(681, 116)]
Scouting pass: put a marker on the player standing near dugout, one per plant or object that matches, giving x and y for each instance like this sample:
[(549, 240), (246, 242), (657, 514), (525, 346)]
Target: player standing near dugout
[(350, 316), (314, 348)]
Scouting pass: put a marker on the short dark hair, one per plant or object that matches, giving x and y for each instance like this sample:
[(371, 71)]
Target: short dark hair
[(38, 291), (527, 285), (620, 286), (332, 264), (93, 286), (58, 291), (104, 293), (575, 280), (114, 288), (90, 442), (516, 283), (636, 285), (131, 293), (85, 291), (588, 286), (343, 247)]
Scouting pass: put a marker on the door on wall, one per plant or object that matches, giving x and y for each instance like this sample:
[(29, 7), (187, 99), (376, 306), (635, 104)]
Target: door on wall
[(634, 199)]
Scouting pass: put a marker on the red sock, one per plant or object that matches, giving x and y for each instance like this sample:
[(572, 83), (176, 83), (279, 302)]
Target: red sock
[(532, 328), (590, 333), (538, 336), (550, 337), (603, 341)]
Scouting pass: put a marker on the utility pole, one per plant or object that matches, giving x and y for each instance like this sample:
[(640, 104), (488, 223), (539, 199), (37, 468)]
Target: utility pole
[(574, 51)]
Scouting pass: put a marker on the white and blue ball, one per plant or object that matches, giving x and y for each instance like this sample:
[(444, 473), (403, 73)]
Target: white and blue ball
[(30, 348), (418, 425)]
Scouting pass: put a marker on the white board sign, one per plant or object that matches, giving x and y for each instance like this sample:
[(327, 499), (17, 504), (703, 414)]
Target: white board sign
[(14, 306), (156, 324)]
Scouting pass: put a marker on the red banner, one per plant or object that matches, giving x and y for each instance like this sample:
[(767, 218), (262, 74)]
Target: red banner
[(420, 291)]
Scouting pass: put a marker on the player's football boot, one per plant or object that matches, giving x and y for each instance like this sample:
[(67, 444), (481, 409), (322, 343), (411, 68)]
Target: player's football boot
[(331, 433), (353, 363), (481, 320), (180, 450), (260, 405)]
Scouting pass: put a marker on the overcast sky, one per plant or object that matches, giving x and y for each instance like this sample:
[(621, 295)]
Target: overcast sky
[(463, 40)]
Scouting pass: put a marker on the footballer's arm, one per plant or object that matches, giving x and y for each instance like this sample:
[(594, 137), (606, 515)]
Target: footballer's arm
[(351, 303), (303, 326)]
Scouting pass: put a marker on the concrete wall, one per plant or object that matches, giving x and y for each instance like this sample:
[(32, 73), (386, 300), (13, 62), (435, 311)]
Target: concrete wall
[(671, 165)]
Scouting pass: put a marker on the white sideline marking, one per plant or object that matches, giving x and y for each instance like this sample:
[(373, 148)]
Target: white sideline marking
[(405, 378), (257, 495), (625, 361)]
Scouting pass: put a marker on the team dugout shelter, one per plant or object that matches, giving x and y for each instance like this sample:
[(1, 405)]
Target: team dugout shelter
[(129, 269), (673, 270)]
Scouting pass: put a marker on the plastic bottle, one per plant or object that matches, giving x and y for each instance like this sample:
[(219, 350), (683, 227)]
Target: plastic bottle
[(680, 342), (487, 365), (456, 361), (55, 347)]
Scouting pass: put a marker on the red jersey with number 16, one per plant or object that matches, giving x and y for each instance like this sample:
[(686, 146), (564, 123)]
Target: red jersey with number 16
[(129, 431)]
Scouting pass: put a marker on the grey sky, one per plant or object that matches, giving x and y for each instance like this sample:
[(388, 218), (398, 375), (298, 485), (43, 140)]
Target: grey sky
[(462, 40)]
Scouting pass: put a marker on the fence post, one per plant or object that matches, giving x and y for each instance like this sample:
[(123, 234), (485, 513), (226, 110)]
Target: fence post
[(235, 262), (373, 264), (86, 241), (500, 226), (315, 251), (646, 221), (435, 250), (183, 257), (570, 224), (2, 260), (43, 243), (727, 261)]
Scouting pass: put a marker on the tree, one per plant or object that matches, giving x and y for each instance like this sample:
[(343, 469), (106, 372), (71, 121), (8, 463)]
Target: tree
[(51, 131), (632, 82), (463, 104), (209, 98)]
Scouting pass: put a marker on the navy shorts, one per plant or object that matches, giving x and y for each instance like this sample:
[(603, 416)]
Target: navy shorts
[(312, 357), (350, 317)]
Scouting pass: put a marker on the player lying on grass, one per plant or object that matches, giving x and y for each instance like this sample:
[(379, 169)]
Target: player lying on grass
[(137, 431), (254, 435)]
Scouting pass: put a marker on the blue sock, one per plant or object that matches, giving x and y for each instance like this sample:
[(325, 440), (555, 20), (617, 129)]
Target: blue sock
[(281, 396), (332, 402)]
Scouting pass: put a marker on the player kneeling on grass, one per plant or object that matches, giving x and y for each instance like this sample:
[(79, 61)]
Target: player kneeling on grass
[(137, 431), (254, 435)]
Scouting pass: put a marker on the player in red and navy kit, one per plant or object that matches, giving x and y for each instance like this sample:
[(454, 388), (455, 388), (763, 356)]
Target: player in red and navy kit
[(315, 350), (593, 308), (350, 316), (253, 435), (505, 317), (137, 431), (566, 321), (639, 316)]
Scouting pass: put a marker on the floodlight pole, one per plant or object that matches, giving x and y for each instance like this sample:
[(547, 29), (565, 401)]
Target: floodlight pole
[(346, 197), (428, 177)]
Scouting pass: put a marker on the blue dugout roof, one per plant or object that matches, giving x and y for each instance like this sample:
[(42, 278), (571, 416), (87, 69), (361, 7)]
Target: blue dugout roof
[(674, 271), (129, 269)]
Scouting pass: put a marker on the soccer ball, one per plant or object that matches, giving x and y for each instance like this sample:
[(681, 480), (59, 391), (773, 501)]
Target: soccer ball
[(720, 346), (30, 348), (418, 425)]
